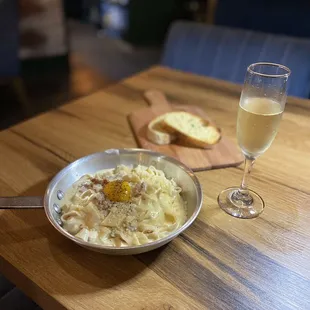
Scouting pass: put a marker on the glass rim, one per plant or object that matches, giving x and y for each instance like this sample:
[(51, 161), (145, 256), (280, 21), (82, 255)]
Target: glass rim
[(271, 64)]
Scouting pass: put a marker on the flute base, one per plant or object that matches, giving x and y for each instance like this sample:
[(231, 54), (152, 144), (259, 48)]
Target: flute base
[(233, 202)]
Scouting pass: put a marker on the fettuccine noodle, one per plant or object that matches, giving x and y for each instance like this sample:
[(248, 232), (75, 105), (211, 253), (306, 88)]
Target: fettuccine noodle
[(124, 206)]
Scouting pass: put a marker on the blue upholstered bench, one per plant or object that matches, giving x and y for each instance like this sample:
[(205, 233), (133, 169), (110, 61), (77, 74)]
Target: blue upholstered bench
[(225, 53)]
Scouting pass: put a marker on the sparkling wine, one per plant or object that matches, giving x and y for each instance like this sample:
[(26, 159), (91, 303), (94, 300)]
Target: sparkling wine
[(257, 125)]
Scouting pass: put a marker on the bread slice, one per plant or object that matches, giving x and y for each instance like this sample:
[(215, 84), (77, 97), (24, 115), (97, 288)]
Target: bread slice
[(191, 129), (156, 132)]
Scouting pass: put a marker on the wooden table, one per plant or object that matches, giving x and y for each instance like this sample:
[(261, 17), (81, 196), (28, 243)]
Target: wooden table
[(219, 263)]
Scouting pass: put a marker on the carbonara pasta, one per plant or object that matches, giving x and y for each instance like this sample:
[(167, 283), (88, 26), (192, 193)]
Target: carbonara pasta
[(123, 206)]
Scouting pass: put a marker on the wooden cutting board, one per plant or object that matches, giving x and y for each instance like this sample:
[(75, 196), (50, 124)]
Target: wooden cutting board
[(224, 154)]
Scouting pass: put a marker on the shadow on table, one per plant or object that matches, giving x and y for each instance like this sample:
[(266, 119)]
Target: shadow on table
[(93, 271), (76, 270), (37, 216), (156, 256), (73, 269), (37, 189)]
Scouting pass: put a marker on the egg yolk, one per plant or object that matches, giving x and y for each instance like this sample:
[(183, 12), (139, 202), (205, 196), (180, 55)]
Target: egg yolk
[(118, 191)]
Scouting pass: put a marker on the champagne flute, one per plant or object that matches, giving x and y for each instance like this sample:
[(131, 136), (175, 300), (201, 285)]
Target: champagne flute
[(261, 106)]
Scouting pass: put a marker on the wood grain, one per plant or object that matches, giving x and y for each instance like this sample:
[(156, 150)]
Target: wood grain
[(223, 154), (219, 263)]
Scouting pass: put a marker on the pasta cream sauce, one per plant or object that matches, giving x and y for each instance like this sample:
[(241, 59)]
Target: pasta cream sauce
[(123, 206)]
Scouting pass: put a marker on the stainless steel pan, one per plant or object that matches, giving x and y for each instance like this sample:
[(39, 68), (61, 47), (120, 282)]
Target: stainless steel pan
[(51, 202)]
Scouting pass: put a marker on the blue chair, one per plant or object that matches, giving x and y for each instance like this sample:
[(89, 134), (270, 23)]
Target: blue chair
[(225, 53)]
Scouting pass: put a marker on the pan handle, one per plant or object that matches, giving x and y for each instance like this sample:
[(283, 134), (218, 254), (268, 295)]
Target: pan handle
[(25, 202)]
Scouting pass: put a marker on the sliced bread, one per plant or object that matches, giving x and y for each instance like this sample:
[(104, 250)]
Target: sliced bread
[(191, 129), (156, 132)]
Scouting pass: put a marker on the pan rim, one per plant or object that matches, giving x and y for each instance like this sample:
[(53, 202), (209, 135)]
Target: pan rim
[(152, 244)]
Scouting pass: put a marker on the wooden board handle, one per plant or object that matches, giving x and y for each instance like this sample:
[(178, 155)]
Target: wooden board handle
[(157, 100)]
